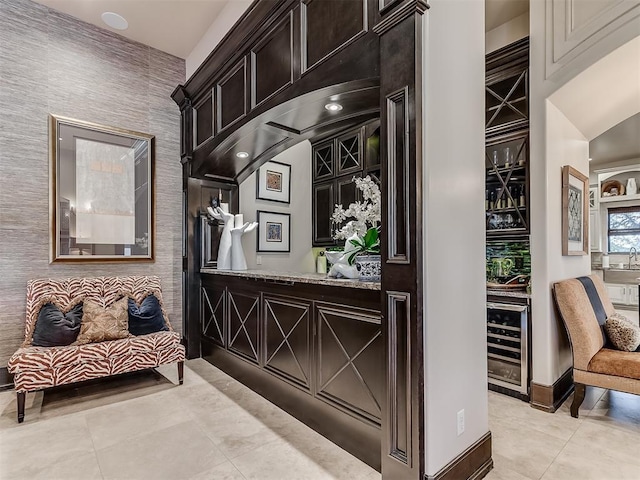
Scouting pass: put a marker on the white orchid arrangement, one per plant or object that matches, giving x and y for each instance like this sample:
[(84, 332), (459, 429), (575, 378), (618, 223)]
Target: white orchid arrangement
[(362, 230)]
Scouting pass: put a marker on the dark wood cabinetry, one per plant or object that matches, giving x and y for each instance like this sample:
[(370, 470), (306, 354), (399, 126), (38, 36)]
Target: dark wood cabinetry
[(243, 317), (212, 311), (284, 335), (265, 90), (507, 188), (287, 338), (507, 206), (507, 140), (200, 249), (507, 88), (336, 161), (349, 342), (366, 54)]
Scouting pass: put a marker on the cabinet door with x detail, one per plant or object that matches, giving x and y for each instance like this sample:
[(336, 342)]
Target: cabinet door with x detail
[(506, 100)]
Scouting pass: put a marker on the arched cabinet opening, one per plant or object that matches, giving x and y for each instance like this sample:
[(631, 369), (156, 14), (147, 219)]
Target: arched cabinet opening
[(289, 108)]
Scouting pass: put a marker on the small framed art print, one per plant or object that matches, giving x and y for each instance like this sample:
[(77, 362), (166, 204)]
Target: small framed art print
[(274, 231), (273, 182)]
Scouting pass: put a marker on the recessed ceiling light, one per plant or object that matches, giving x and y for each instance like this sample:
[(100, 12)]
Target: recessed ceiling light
[(115, 21), (333, 107), (590, 158), (242, 154)]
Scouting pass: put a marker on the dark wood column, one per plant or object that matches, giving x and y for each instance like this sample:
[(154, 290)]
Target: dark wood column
[(400, 32), (190, 337)]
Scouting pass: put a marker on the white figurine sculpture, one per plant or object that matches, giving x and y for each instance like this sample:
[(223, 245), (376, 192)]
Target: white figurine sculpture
[(224, 250), (230, 253), (238, 260), (340, 261)]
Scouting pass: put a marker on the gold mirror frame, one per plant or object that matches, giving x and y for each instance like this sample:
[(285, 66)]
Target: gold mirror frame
[(101, 193)]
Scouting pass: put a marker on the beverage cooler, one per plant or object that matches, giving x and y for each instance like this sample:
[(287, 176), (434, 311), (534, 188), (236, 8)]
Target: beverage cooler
[(508, 345)]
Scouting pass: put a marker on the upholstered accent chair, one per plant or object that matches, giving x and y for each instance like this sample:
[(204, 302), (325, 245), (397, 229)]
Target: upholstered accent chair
[(584, 306)]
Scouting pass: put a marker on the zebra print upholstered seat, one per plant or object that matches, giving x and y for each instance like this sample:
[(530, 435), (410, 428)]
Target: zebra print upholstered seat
[(36, 368)]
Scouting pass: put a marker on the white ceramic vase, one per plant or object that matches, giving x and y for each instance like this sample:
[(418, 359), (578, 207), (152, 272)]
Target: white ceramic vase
[(632, 188)]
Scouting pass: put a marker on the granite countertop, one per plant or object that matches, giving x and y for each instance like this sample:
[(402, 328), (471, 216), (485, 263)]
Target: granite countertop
[(507, 293), (294, 277)]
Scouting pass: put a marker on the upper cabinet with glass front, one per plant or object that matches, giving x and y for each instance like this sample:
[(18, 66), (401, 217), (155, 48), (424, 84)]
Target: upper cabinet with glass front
[(507, 140), (336, 161), (507, 184)]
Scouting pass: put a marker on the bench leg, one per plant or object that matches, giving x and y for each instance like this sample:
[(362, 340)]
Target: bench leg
[(180, 372), (21, 398), (578, 398)]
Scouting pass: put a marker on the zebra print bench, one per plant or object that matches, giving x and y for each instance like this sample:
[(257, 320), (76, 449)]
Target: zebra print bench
[(36, 368)]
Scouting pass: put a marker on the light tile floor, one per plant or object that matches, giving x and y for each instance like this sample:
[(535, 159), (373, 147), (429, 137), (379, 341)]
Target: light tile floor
[(142, 426)]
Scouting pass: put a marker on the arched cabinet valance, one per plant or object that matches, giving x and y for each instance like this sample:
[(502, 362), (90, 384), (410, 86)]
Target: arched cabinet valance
[(269, 91)]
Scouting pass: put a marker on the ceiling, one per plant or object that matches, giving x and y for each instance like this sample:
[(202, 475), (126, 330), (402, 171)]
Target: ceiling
[(173, 26), (176, 26), (603, 102), (619, 143), (498, 12)]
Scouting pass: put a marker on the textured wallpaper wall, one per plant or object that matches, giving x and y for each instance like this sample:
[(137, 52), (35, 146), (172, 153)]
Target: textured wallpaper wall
[(53, 63)]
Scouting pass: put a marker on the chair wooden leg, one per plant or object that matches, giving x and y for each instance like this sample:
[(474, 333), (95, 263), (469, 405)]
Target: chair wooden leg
[(578, 398), (21, 398), (180, 372)]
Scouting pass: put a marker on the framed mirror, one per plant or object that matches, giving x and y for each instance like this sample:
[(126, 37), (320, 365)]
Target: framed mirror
[(101, 192)]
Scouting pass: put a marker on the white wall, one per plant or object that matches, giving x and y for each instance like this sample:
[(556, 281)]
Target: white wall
[(565, 145), (86, 81), (455, 343), (218, 29), (555, 141), (301, 258), (507, 33)]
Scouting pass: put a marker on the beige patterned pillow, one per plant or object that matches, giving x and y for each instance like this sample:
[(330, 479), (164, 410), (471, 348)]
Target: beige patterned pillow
[(623, 334), (100, 324)]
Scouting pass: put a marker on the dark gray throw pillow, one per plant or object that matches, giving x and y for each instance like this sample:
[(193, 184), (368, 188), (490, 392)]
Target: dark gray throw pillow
[(54, 328), (146, 317)]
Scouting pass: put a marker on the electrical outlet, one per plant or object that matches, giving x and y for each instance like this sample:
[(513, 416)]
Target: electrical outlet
[(258, 259), (461, 422)]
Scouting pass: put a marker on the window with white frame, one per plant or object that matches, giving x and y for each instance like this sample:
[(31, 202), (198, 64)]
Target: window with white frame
[(623, 229)]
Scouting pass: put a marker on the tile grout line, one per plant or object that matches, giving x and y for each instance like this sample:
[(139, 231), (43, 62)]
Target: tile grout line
[(206, 434), (201, 430), (581, 420), (95, 451)]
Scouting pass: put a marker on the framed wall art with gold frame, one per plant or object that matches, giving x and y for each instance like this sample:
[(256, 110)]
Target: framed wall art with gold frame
[(101, 192)]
